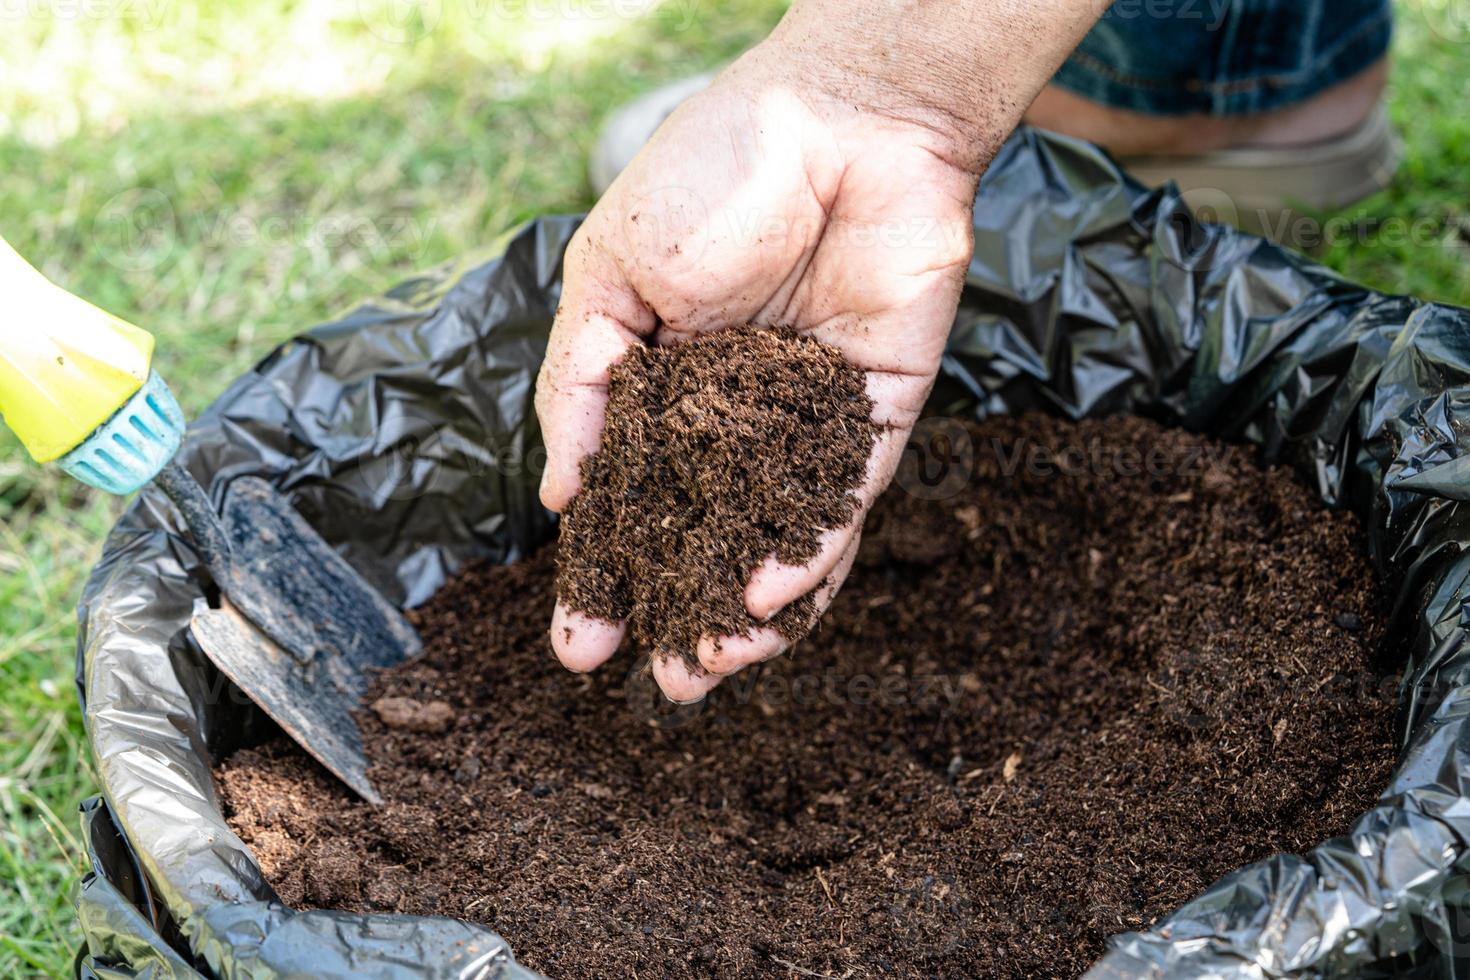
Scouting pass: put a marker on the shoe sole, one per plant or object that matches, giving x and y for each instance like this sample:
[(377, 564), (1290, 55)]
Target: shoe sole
[(1258, 189), (631, 126), (1261, 189)]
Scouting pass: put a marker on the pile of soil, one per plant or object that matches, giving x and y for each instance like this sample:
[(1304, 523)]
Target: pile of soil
[(715, 454), (1117, 663)]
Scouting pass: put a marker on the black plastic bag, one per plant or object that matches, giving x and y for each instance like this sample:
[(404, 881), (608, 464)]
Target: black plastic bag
[(404, 432)]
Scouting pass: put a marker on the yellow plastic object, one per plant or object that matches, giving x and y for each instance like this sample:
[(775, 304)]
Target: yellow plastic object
[(65, 366)]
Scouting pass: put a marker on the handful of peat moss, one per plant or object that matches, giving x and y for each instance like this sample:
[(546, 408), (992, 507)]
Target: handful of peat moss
[(715, 454)]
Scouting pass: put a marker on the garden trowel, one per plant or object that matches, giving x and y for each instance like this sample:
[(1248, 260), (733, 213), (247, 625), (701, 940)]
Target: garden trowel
[(297, 629)]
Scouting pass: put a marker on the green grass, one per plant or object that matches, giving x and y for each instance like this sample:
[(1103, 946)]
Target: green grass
[(1414, 237), (227, 173)]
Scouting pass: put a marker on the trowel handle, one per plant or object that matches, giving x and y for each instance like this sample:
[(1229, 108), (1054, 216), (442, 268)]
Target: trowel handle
[(76, 384), (207, 533)]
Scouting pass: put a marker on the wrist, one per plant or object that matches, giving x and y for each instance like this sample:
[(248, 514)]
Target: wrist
[(965, 70)]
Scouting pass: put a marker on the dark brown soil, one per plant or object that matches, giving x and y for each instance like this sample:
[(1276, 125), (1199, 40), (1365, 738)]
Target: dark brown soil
[(1046, 709), (715, 454)]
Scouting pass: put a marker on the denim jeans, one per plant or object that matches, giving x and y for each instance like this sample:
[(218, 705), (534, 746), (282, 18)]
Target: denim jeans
[(1224, 57)]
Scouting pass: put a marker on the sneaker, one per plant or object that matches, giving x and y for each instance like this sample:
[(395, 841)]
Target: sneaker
[(632, 125), (1264, 190), (1267, 190)]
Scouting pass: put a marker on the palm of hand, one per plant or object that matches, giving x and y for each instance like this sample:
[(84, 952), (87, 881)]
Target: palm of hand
[(752, 206)]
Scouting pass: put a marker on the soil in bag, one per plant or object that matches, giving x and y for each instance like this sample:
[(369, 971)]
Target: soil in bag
[(1050, 705)]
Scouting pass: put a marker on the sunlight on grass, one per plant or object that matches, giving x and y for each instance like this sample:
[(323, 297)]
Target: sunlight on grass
[(49, 535), (225, 174), (88, 66), (1414, 237), (85, 67)]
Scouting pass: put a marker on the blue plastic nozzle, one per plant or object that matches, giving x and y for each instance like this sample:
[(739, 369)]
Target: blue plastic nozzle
[(130, 448)]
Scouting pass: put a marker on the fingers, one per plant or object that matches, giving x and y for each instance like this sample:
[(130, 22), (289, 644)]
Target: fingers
[(680, 683), (728, 654), (582, 643), (833, 584), (571, 397), (599, 318), (775, 585)]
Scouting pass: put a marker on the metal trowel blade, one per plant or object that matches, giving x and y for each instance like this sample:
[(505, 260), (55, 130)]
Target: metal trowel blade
[(302, 631), (313, 706)]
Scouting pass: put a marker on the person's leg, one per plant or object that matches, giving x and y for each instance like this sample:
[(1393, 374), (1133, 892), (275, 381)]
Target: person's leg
[(1255, 108), (1192, 76), (1337, 110), (1251, 106)]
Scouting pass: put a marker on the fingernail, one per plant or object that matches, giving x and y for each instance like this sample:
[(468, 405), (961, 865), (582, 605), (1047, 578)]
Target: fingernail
[(760, 610)]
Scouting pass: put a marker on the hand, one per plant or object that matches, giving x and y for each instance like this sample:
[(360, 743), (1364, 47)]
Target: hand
[(792, 192)]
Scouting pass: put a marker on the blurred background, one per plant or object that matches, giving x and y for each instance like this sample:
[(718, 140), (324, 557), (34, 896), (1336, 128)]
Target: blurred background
[(225, 174)]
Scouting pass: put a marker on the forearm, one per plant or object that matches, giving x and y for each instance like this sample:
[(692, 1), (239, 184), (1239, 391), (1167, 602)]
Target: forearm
[(966, 69)]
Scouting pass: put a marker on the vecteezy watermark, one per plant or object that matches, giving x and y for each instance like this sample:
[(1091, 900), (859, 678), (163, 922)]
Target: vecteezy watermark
[(139, 230), (148, 13), (670, 224), (330, 231), (408, 21), (136, 230), (938, 461), (763, 689), (1094, 458), (678, 224), (1213, 206), (1211, 14), (416, 455), (941, 458), (1306, 231), (400, 21), (1449, 931), (749, 227), (1309, 234), (933, 912), (679, 15), (1449, 19)]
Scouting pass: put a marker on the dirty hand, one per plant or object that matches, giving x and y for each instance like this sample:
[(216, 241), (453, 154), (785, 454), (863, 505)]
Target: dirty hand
[(796, 191)]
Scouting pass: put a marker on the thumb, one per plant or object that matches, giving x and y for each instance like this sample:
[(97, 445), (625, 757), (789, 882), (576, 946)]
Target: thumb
[(599, 318)]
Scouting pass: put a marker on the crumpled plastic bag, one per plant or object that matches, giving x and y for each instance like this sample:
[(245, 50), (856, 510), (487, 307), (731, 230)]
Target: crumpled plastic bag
[(404, 433)]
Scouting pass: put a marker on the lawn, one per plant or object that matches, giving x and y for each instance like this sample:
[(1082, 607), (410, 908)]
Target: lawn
[(228, 173)]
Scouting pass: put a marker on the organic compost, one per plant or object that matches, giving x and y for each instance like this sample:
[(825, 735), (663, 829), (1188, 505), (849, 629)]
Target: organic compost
[(1057, 697), (715, 454)]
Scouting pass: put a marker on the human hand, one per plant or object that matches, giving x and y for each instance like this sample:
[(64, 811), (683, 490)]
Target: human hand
[(792, 192)]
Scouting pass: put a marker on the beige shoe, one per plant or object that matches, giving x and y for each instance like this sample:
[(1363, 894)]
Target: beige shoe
[(1278, 191), (630, 127), (1273, 191)]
